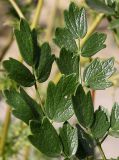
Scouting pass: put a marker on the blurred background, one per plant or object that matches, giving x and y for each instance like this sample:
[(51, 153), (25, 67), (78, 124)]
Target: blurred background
[(15, 132)]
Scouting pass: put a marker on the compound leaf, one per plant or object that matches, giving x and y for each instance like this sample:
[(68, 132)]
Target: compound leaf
[(19, 72), (68, 63), (85, 144), (98, 72), (114, 130), (94, 44), (115, 117), (100, 6), (101, 123), (69, 138), (26, 40), (76, 21), (64, 39), (58, 102), (45, 138), (35, 107), (24, 107), (45, 63), (83, 107)]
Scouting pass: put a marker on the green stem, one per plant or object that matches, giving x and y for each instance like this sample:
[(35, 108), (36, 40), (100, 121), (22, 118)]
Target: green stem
[(37, 14), (80, 79), (92, 28), (38, 94), (101, 151), (35, 21), (17, 9), (8, 112), (5, 130)]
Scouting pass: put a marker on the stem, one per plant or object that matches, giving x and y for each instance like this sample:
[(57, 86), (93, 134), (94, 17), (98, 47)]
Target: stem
[(17, 9), (8, 112), (35, 21), (92, 28), (80, 79), (101, 151), (5, 130), (37, 14), (27, 152), (40, 100)]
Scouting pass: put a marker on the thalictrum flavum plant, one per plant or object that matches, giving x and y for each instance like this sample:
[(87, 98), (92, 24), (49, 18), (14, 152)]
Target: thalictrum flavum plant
[(71, 95)]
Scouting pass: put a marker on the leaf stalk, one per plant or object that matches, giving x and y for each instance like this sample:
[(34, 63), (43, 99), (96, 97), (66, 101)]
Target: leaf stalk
[(17, 9), (38, 94), (101, 151), (37, 14), (94, 25)]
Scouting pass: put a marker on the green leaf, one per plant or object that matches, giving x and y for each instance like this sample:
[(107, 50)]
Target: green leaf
[(68, 63), (45, 139), (83, 107), (114, 131), (85, 144), (24, 107), (76, 21), (114, 24), (19, 73), (64, 39), (98, 72), (94, 44), (36, 54), (58, 102), (101, 123), (100, 6), (27, 42), (35, 107), (45, 63), (69, 138)]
